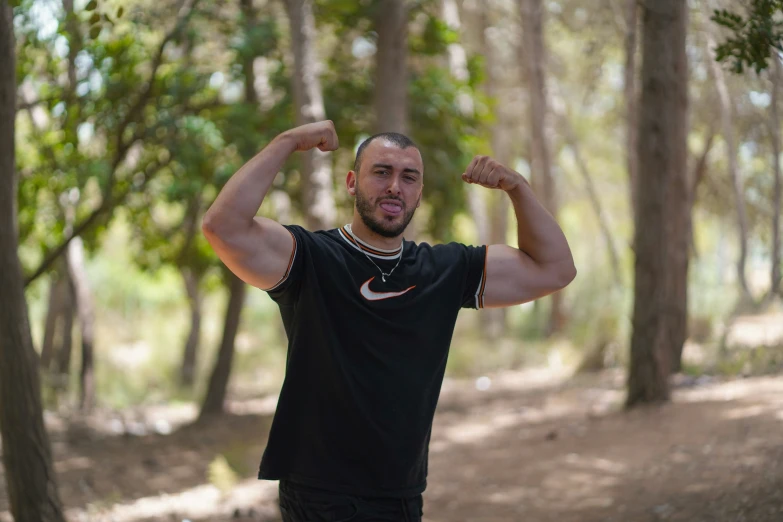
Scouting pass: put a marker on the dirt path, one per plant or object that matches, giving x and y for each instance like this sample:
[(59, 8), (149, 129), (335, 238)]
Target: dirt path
[(533, 447)]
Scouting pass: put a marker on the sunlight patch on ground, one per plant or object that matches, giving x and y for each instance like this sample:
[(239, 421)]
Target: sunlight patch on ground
[(768, 387), (745, 412), (201, 502)]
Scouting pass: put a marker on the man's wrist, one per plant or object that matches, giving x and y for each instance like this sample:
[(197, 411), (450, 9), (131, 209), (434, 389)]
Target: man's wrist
[(286, 140)]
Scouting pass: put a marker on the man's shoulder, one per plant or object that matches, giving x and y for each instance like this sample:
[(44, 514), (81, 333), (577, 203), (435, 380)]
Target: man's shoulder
[(442, 252)]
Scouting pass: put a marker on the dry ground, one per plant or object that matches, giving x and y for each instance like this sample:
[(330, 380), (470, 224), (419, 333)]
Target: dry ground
[(533, 447)]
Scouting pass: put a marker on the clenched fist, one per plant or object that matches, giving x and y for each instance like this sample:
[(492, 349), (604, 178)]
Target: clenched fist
[(489, 173), (319, 134)]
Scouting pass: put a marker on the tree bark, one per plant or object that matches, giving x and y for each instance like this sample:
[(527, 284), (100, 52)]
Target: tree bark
[(660, 239), (727, 118), (218, 382), (391, 71), (534, 55), (189, 357), (775, 276), (27, 458), (630, 96), (321, 212)]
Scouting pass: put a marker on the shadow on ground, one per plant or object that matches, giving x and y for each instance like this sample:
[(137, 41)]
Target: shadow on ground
[(527, 449)]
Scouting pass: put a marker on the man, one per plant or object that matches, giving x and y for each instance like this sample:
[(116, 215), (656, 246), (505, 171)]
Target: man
[(369, 318)]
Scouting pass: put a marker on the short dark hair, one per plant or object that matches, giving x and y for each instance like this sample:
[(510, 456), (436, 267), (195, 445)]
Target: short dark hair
[(395, 138)]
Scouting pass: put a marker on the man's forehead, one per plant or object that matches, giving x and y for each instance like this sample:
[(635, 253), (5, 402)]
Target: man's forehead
[(383, 151)]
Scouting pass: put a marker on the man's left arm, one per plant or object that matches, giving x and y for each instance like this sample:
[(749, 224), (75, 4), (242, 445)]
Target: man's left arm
[(543, 263)]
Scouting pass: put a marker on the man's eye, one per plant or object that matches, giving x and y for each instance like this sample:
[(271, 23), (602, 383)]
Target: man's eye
[(382, 172), (410, 179)]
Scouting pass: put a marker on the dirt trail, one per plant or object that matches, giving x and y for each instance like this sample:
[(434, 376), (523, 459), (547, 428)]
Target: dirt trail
[(533, 447)]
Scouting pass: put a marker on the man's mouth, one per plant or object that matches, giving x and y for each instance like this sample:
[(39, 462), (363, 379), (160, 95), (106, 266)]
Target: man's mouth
[(391, 206)]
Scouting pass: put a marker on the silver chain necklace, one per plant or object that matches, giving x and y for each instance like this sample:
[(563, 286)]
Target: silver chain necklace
[(384, 275)]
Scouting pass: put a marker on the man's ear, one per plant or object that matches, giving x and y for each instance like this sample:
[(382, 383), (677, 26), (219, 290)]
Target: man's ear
[(350, 182)]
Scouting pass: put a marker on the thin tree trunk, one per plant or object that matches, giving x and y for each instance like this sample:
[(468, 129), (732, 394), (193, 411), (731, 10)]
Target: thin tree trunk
[(458, 68), (218, 382), (391, 71), (775, 276), (191, 281), (699, 171), (190, 354), (595, 201), (308, 100), (62, 367), (660, 242), (534, 53), (727, 117), (630, 96), (54, 312), (27, 458), (86, 311), (496, 317)]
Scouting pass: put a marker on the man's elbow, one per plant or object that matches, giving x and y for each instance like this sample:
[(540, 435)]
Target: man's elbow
[(563, 274), (215, 225), (210, 226)]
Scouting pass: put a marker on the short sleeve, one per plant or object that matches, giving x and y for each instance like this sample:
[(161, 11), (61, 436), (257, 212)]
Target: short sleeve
[(286, 290), (475, 275)]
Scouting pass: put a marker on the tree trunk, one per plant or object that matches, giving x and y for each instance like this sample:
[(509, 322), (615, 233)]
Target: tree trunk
[(699, 170), (458, 68), (62, 367), (189, 356), (630, 96), (218, 382), (775, 278), (85, 308), (727, 118), (595, 201), (498, 214), (27, 458), (308, 99), (58, 293), (534, 54), (391, 72), (660, 242)]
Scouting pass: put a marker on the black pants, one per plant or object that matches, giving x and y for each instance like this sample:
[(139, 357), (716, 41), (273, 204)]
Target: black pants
[(299, 503)]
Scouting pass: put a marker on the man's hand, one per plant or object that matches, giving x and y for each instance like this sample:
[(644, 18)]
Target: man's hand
[(320, 134), (487, 172)]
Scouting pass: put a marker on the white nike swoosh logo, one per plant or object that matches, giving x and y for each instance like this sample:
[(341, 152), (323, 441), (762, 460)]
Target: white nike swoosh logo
[(378, 296)]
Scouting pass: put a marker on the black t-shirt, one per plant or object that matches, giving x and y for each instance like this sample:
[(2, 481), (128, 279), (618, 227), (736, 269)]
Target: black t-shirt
[(366, 359)]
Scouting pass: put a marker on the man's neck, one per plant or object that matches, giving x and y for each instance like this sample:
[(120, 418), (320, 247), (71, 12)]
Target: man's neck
[(361, 231)]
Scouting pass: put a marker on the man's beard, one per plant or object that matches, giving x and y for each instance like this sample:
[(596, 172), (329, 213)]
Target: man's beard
[(382, 227)]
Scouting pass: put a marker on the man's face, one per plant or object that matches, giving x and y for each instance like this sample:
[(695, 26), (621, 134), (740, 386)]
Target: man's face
[(388, 188)]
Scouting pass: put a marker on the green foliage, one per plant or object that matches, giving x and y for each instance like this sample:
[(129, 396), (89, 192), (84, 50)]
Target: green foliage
[(754, 35)]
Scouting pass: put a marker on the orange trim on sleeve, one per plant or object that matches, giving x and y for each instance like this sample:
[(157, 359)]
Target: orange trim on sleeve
[(290, 264), (483, 278)]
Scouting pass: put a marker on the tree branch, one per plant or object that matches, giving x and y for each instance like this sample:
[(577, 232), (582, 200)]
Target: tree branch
[(107, 206)]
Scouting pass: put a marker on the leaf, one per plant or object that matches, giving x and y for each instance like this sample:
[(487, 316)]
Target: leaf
[(95, 18), (120, 12), (95, 31), (91, 6)]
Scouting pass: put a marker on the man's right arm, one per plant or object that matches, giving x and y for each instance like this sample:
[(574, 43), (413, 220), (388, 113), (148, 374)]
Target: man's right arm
[(257, 249)]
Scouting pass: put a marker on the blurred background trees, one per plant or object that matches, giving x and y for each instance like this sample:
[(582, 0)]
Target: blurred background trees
[(130, 116)]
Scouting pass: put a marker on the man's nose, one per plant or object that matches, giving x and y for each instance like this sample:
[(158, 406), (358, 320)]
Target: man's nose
[(394, 185)]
